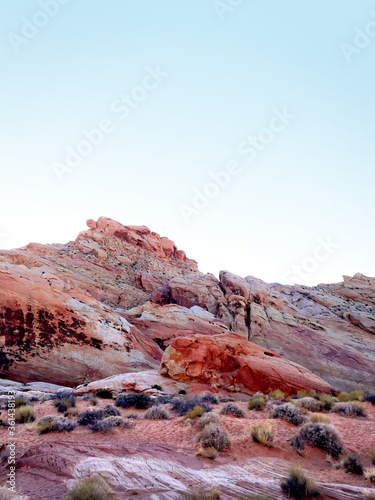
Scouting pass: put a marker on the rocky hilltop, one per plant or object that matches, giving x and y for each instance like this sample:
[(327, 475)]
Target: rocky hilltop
[(123, 299)]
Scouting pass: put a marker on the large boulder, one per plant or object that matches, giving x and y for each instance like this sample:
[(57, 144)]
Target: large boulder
[(228, 360)]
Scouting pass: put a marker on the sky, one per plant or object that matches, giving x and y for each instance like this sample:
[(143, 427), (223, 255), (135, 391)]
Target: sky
[(242, 130)]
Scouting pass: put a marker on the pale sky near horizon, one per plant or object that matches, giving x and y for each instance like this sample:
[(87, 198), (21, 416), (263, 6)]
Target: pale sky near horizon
[(180, 90)]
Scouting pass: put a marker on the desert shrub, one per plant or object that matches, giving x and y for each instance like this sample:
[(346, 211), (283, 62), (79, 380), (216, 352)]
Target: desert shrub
[(226, 400), (110, 411), (319, 418), (256, 403), (139, 401), (232, 409), (64, 424), (369, 494), (94, 488), (301, 394), (323, 436), (297, 485), (209, 398), (197, 411), (277, 394), (65, 400), (327, 401), (25, 414), (71, 412), (21, 400), (156, 413), (352, 464), (207, 453), (356, 395), (163, 400), (310, 404), (371, 454), (46, 424), (157, 387), (214, 436), (104, 394), (349, 409), (93, 400), (202, 493), (103, 426), (208, 418), (343, 397), (370, 397), (370, 474), (297, 443), (288, 412), (183, 405), (262, 433), (120, 422), (131, 415), (89, 417)]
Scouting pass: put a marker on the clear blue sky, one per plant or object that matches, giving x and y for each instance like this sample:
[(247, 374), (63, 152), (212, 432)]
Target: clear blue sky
[(224, 72)]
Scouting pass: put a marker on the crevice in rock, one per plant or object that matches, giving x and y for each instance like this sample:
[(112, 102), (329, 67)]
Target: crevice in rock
[(248, 320)]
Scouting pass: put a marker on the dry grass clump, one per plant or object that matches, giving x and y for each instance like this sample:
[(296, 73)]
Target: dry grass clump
[(288, 412), (262, 433), (232, 409), (214, 436), (25, 414), (297, 485), (196, 411), (210, 453), (352, 464), (201, 493), (183, 405), (256, 402), (370, 474), (349, 409), (21, 400), (369, 494), (327, 401), (71, 412), (277, 394), (64, 400), (356, 395), (93, 400), (319, 418), (310, 404), (46, 424), (94, 488), (156, 413), (208, 418)]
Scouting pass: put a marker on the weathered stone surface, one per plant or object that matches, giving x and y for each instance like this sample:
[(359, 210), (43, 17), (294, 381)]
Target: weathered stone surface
[(228, 360)]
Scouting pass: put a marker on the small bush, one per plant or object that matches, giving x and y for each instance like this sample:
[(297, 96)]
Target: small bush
[(210, 453), (25, 414), (197, 411), (356, 395), (327, 401), (139, 401), (46, 424), (201, 494), (93, 400), (208, 418), (65, 400), (262, 433), (298, 444), (370, 475), (157, 387), (94, 488), (301, 394), (103, 426), (64, 424), (156, 413), (120, 422), (72, 412), (343, 397), (104, 394), (319, 418), (226, 400), (277, 394), (297, 485), (89, 417), (183, 405), (209, 398), (213, 436), (21, 400), (310, 404), (371, 454), (256, 403), (349, 409), (288, 412), (110, 411), (370, 397), (323, 436), (352, 464), (232, 409)]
